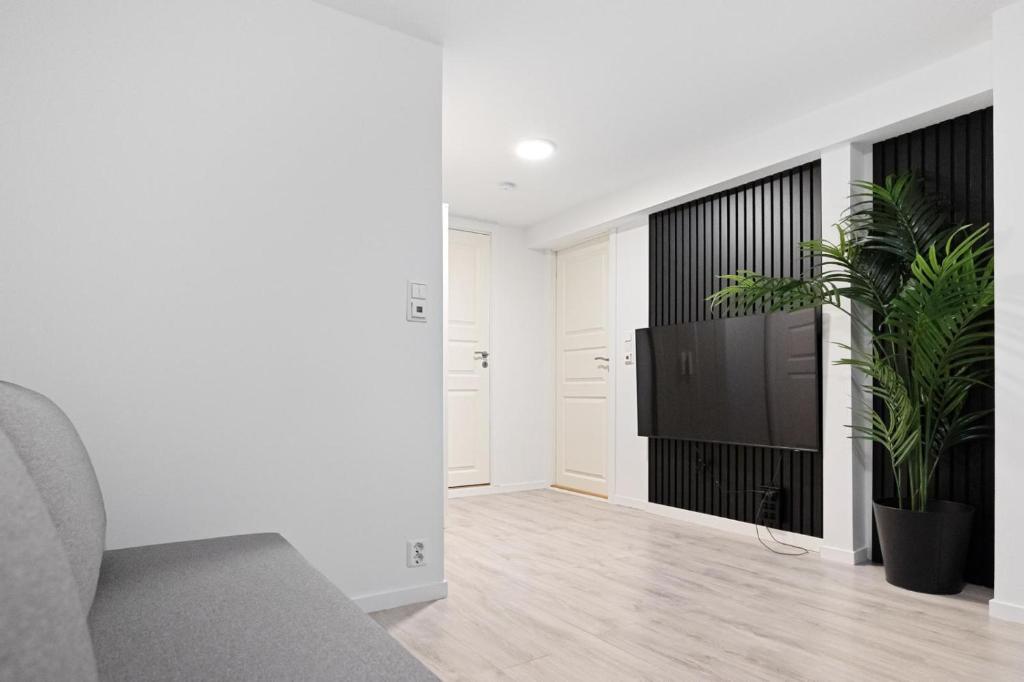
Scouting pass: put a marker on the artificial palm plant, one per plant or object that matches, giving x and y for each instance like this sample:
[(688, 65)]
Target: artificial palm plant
[(928, 286)]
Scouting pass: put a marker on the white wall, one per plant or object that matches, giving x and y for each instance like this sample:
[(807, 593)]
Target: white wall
[(631, 313), (210, 209), (1008, 40), (846, 462), (522, 357)]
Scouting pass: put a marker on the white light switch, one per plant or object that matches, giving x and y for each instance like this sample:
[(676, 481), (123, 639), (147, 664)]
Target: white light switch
[(416, 306)]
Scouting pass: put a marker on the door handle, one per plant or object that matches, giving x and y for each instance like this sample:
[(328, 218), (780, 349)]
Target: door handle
[(481, 355), (602, 358)]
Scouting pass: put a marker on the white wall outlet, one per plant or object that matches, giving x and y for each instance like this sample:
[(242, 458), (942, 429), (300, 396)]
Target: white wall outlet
[(415, 553)]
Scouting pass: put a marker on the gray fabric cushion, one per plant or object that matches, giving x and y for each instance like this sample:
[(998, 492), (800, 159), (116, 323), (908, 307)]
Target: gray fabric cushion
[(247, 607), (57, 461), (43, 635)]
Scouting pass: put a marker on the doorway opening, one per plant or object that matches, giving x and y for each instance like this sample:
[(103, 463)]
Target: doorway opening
[(582, 364), (468, 349)]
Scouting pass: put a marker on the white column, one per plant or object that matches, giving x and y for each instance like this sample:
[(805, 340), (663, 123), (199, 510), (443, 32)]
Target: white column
[(846, 463), (1008, 131)]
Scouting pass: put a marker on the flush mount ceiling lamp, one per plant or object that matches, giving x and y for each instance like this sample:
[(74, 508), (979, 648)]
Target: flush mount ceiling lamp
[(535, 149), (507, 186)]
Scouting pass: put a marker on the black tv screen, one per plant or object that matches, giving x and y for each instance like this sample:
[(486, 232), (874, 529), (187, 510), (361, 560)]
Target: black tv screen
[(752, 380)]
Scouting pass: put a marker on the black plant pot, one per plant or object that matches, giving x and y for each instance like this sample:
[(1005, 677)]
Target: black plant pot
[(925, 551)]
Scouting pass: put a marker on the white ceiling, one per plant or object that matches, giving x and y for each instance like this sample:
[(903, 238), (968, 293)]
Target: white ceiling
[(628, 89)]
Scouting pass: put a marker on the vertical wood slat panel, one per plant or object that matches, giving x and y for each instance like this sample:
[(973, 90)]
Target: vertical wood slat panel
[(955, 160), (757, 226)]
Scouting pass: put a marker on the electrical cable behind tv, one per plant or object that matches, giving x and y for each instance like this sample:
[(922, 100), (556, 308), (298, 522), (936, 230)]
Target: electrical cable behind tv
[(758, 519), (800, 551)]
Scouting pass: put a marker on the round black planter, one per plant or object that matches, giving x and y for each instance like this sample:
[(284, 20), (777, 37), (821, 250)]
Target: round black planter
[(925, 551)]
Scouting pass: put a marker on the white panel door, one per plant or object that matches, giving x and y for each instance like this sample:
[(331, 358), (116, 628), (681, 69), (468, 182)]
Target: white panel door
[(469, 343), (582, 366)]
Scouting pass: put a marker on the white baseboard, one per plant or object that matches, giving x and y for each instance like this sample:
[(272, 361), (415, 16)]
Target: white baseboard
[(403, 597), (634, 502), (1006, 611), (807, 542), (850, 557), (496, 489)]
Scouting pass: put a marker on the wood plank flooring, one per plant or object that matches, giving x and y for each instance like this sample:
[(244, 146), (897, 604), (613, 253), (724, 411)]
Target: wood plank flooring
[(550, 586)]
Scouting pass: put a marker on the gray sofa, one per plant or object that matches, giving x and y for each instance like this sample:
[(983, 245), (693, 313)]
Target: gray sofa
[(247, 607)]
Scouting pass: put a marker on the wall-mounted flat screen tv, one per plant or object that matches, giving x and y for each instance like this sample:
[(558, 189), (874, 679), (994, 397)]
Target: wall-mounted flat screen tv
[(752, 380)]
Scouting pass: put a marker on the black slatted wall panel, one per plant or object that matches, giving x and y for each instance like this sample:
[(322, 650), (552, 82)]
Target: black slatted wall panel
[(955, 160), (757, 226)]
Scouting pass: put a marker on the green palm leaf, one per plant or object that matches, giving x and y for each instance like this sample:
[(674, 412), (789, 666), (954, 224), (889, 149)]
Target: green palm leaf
[(929, 284)]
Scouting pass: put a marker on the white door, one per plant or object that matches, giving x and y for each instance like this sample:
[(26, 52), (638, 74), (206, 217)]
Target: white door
[(469, 343), (582, 364)]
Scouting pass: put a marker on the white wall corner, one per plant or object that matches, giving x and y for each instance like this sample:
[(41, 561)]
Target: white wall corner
[(631, 312), (392, 599), (1006, 611), (840, 555), (846, 462), (1008, 141)]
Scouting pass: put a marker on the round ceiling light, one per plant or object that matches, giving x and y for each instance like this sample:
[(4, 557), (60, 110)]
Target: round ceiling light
[(535, 150)]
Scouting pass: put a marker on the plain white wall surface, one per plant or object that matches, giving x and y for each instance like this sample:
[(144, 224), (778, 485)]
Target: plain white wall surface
[(1008, 112), (521, 366), (631, 313), (846, 462), (210, 209)]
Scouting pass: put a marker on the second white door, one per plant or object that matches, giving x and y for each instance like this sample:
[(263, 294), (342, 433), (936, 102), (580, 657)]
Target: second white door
[(583, 363), (469, 343)]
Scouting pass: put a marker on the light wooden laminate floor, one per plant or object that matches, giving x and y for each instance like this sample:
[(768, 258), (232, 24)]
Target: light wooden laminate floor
[(550, 586)]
